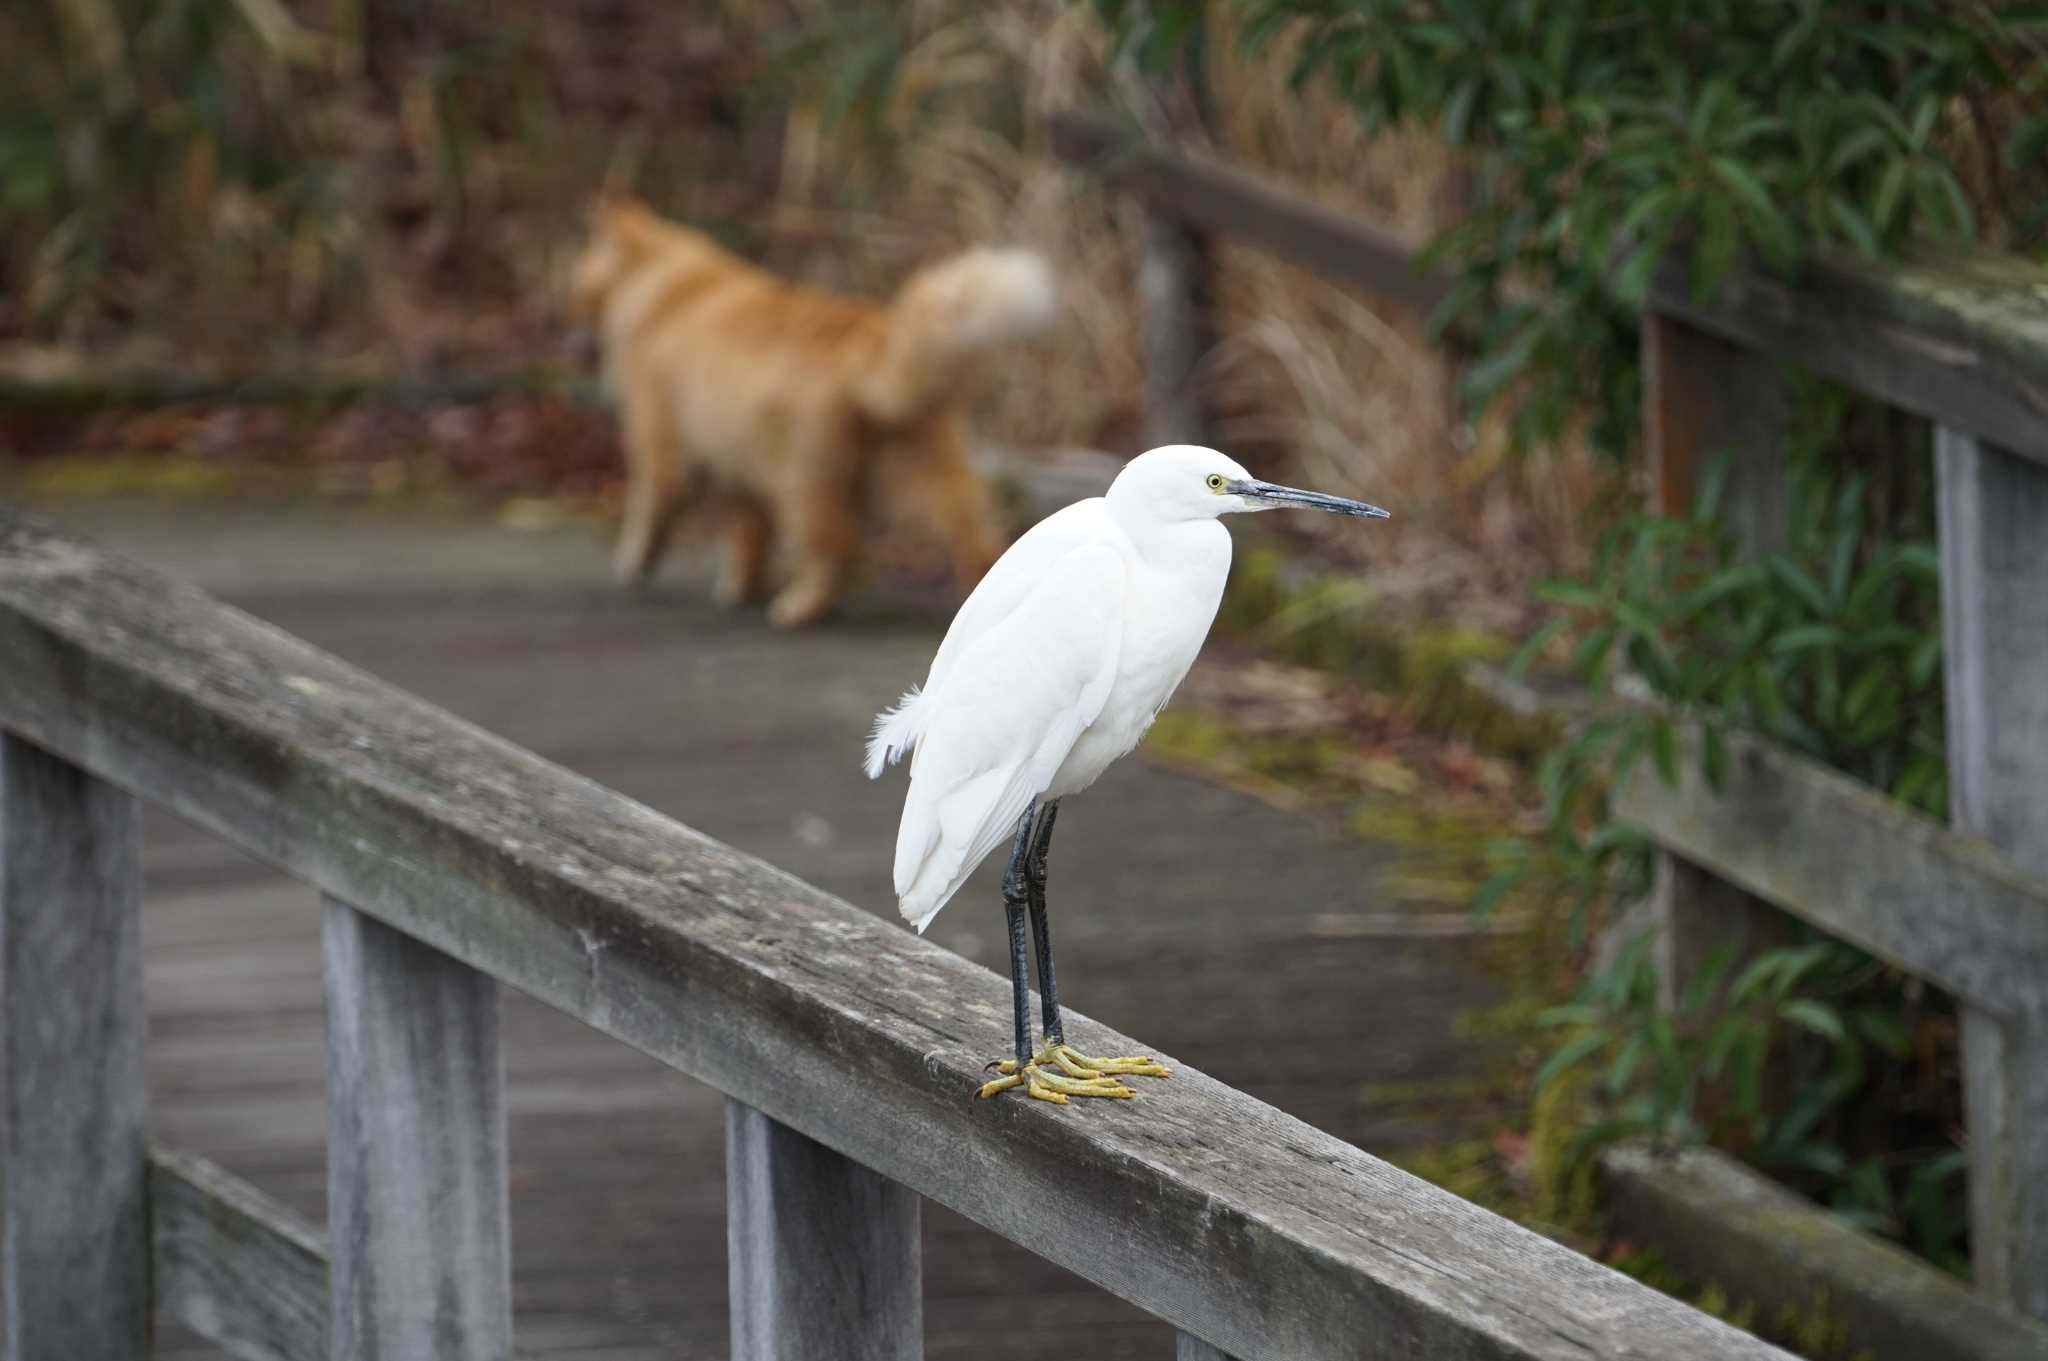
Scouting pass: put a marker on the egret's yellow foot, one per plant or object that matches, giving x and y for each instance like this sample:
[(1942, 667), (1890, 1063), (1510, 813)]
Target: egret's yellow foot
[(1076, 1064), (1049, 1086)]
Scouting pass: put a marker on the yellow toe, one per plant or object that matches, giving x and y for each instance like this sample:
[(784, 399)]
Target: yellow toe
[(1044, 1084), (1070, 1060)]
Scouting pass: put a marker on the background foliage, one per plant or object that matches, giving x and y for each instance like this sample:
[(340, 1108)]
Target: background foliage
[(1606, 141), (1602, 132)]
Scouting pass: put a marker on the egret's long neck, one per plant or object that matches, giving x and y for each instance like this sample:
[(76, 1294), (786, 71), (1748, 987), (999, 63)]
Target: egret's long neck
[(1177, 545)]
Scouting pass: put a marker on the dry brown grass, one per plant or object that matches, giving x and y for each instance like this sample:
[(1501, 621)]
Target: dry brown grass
[(433, 258), (1340, 390)]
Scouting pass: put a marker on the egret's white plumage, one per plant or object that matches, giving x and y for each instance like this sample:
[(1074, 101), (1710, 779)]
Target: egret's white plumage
[(1059, 660)]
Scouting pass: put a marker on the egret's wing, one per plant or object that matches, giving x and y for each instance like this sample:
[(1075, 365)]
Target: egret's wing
[(1005, 715), (1016, 575), (1019, 571)]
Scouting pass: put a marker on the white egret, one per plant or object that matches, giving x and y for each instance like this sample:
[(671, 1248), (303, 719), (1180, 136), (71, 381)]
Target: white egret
[(1054, 667)]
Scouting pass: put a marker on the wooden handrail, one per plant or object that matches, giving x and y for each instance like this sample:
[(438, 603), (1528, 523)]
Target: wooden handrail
[(1962, 341), (1231, 1220), (1859, 864), (1224, 200)]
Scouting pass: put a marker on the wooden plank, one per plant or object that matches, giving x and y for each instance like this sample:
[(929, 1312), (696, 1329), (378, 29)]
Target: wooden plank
[(1223, 201), (1216, 1212), (822, 1253), (1839, 854), (1963, 341), (235, 1266), (1994, 561), (74, 1231), (1709, 404), (1774, 1251), (416, 1190)]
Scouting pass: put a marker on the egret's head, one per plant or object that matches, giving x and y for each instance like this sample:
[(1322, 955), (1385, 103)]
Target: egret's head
[(1188, 482)]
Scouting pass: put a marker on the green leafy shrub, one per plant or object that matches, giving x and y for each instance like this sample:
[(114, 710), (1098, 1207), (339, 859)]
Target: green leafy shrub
[(1607, 141), (1604, 132), (124, 123), (1812, 1060)]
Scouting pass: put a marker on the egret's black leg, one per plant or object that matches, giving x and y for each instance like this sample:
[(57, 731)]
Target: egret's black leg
[(1064, 1078), (1056, 1052), (1016, 895), (1041, 929)]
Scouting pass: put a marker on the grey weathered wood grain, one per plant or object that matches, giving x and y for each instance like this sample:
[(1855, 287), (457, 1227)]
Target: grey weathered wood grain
[(1709, 404), (1961, 341), (1994, 559), (1841, 855), (1189, 1348), (233, 1265), (416, 1192), (822, 1253), (1717, 1222), (74, 1236), (1222, 201), (1220, 1214)]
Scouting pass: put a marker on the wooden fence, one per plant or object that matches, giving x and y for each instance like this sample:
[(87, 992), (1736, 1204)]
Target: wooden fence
[(452, 861), (1964, 344)]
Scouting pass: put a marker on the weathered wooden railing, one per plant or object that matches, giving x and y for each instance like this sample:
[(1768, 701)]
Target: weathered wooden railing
[(849, 1048), (1966, 345), (1963, 906)]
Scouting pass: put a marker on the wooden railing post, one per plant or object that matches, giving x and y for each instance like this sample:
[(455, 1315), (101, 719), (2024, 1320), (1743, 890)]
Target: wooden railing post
[(824, 1253), (1994, 588), (1174, 314), (416, 1193), (1176, 261), (74, 1223), (1705, 399)]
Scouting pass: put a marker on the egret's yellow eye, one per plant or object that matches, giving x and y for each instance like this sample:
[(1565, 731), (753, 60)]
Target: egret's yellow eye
[(1215, 481)]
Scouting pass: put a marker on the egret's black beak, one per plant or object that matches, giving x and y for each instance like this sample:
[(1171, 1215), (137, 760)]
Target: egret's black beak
[(1266, 493)]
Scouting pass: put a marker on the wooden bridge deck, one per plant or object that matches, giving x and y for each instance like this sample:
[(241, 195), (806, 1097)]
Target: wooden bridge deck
[(1187, 914)]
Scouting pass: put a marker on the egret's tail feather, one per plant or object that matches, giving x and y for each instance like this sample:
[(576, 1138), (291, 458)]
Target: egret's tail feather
[(894, 734), (943, 839)]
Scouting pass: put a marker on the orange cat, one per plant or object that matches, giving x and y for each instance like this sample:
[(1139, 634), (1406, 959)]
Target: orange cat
[(792, 404)]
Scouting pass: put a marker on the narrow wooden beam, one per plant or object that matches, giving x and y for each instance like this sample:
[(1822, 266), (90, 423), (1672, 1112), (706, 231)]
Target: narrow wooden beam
[(1706, 401), (233, 1265), (1962, 340), (1224, 201), (1859, 865), (823, 1252), (74, 1228), (416, 1192), (1774, 1253), (1994, 586)]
